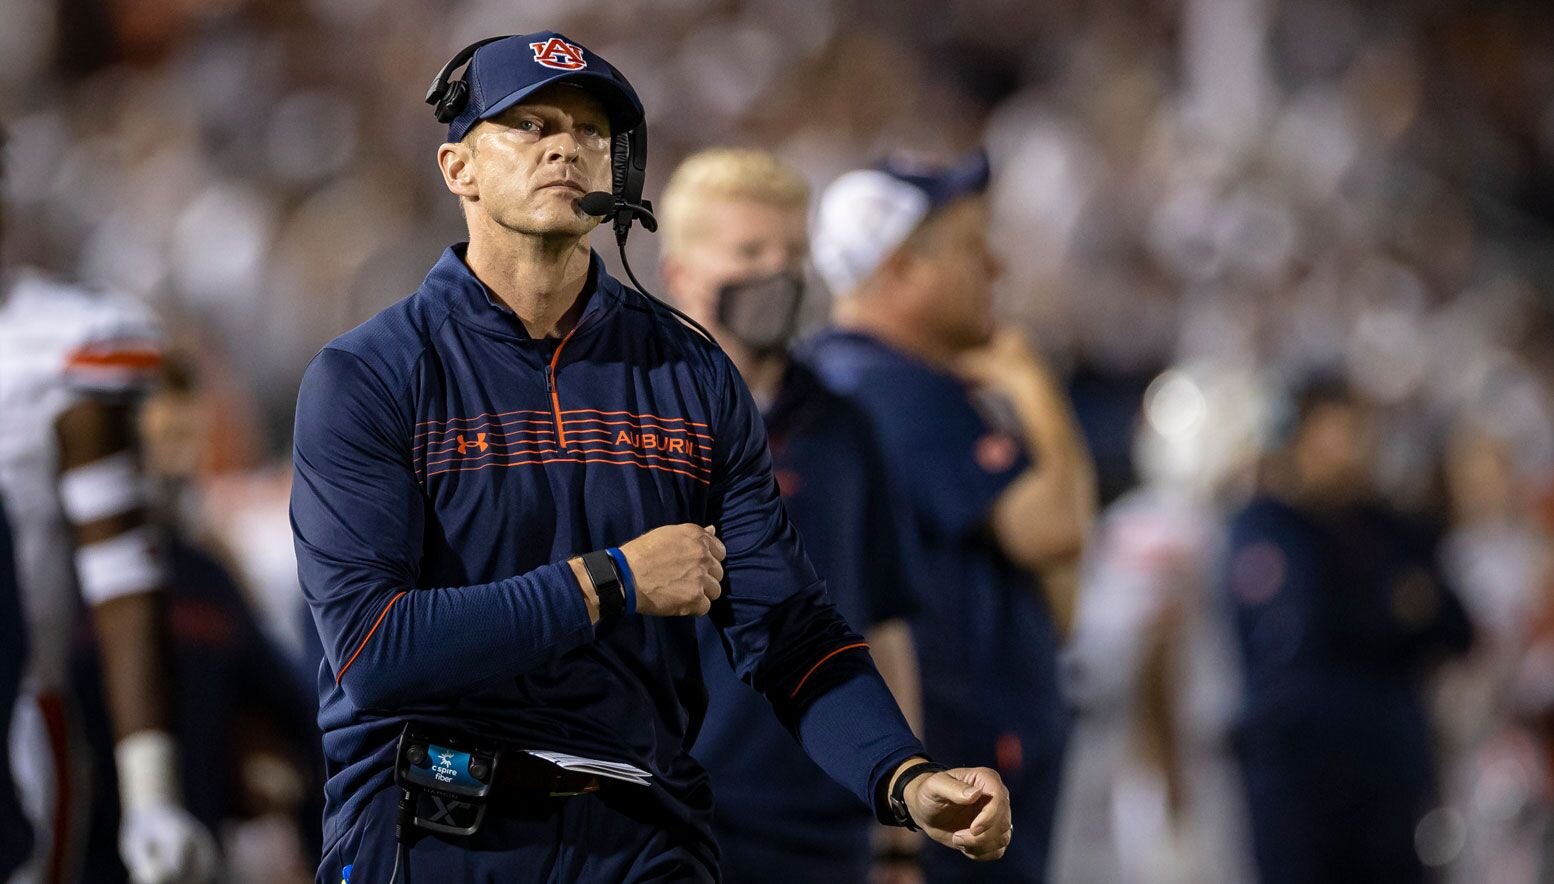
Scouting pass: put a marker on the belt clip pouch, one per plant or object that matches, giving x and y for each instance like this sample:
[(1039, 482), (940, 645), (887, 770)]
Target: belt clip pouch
[(446, 778)]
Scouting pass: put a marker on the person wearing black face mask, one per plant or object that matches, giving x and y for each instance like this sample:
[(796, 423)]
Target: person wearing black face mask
[(735, 238)]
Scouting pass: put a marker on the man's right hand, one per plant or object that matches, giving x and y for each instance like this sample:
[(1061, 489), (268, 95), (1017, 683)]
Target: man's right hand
[(678, 569)]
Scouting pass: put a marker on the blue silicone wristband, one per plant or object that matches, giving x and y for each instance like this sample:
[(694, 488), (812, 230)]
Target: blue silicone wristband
[(628, 580)]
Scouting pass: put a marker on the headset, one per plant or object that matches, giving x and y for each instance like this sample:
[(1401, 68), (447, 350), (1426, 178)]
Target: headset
[(628, 170), (448, 98)]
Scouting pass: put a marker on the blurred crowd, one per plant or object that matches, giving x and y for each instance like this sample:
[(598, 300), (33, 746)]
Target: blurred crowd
[(1201, 206)]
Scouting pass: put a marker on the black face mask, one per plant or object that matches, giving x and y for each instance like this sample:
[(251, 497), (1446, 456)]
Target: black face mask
[(762, 314)]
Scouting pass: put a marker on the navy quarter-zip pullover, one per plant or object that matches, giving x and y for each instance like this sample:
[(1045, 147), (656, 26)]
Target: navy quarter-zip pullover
[(447, 466)]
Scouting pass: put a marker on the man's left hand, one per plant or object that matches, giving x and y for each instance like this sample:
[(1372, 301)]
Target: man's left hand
[(1007, 364), (966, 808)]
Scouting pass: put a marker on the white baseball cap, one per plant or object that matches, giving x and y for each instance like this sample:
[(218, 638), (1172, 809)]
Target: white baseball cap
[(867, 214)]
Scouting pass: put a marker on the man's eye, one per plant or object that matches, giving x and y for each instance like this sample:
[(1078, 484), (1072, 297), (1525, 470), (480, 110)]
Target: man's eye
[(528, 126), (591, 130)]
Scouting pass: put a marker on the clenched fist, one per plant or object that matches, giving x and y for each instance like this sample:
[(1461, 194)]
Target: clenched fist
[(966, 808), (679, 569)]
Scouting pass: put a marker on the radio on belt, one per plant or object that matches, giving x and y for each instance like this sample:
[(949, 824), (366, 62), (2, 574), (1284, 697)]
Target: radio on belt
[(446, 780)]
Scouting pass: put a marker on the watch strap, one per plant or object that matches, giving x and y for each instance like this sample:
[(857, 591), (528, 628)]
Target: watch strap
[(898, 809), (607, 583), (628, 579)]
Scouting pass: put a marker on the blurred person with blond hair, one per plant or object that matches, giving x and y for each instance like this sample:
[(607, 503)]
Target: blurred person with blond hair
[(74, 367), (979, 438), (735, 250), (1339, 608)]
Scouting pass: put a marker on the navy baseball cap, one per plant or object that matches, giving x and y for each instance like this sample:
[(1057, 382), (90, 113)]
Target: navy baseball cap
[(867, 214), (504, 72)]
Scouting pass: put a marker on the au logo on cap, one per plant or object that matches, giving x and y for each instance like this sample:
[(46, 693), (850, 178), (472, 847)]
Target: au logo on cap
[(559, 54)]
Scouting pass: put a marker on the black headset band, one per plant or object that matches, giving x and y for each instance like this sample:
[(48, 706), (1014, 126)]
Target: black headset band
[(439, 85)]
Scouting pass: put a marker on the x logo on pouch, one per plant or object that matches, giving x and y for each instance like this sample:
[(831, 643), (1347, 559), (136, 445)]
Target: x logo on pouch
[(443, 811)]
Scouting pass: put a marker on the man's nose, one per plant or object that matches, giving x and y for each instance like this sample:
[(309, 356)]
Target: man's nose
[(563, 148), (775, 259)]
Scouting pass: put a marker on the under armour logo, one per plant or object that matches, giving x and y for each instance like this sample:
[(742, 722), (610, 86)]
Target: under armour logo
[(559, 54), (480, 442)]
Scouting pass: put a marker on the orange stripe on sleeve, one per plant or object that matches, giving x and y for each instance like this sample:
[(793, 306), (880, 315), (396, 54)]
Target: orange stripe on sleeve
[(821, 662), (376, 623), (132, 359)]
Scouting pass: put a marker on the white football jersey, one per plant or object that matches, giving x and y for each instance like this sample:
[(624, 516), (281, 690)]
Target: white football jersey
[(59, 345)]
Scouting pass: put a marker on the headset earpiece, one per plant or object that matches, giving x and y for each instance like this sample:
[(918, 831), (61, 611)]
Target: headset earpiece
[(448, 98), (628, 177), (452, 101)]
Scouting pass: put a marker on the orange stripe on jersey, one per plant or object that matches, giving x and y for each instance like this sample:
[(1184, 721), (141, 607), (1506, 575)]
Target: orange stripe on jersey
[(633, 414), (821, 662), (375, 624)]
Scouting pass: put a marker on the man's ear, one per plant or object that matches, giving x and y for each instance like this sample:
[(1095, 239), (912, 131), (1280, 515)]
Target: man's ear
[(902, 269), (456, 160), (910, 280)]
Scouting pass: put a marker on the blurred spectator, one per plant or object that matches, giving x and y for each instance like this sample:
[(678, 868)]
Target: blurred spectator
[(1338, 605), (1497, 801), (736, 245), (245, 723), (75, 366), (1150, 794), (997, 489)]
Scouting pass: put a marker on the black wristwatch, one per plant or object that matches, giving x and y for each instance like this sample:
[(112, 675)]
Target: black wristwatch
[(899, 814), (607, 584)]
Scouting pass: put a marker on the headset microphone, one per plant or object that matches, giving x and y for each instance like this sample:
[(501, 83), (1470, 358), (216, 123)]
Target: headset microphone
[(602, 205), (597, 203)]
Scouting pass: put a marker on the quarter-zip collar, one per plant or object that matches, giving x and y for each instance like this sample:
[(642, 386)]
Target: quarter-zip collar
[(475, 305)]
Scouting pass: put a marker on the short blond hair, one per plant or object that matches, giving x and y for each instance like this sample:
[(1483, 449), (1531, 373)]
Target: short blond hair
[(726, 173)]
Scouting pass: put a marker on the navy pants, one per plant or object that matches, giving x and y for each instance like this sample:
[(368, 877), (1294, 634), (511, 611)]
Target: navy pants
[(614, 835)]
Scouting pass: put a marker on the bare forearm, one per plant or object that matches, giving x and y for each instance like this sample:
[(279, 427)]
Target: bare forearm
[(117, 565), (131, 631), (1046, 418), (1044, 518), (1156, 738), (1036, 520), (1060, 587)]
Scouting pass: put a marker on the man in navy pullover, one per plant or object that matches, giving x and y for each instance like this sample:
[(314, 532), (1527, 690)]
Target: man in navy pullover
[(457, 454)]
